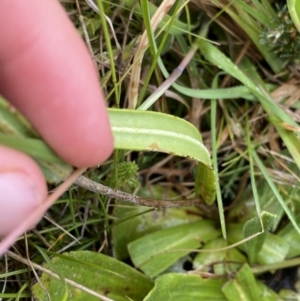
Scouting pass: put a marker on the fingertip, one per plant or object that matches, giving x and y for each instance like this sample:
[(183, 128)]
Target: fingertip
[(47, 73), (22, 189)]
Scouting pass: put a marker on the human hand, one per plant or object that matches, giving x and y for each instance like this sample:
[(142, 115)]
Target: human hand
[(46, 72)]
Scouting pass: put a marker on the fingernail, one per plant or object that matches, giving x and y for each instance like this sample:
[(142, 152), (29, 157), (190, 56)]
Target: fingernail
[(18, 198)]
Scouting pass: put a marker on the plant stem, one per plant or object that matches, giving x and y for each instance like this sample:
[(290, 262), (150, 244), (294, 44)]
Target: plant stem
[(276, 266), (127, 197)]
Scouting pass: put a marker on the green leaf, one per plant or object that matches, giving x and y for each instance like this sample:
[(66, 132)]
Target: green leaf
[(244, 287), (253, 227), (158, 132), (157, 251), (102, 274), (153, 131), (182, 287), (205, 184)]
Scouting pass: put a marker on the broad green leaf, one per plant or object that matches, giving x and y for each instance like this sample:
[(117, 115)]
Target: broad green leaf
[(100, 273), (183, 287), (158, 132), (157, 251), (244, 287), (253, 227)]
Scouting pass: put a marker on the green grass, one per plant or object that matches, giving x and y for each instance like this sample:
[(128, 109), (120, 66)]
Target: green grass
[(240, 92)]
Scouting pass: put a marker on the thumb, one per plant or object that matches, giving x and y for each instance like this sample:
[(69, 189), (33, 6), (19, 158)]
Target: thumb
[(22, 187)]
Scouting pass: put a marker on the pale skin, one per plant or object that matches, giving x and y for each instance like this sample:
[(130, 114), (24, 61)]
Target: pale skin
[(47, 73)]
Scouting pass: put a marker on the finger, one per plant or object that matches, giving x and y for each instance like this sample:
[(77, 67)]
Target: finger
[(46, 72), (22, 187)]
